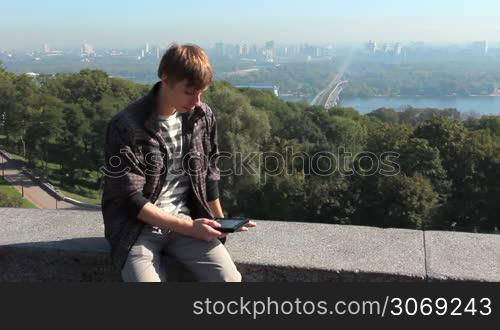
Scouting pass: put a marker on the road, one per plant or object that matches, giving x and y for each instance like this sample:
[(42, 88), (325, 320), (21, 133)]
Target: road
[(328, 97)]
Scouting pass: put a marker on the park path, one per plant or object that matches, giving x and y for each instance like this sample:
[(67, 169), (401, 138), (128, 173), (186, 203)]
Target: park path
[(11, 171)]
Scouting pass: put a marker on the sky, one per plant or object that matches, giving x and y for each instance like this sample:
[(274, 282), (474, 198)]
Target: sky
[(126, 23)]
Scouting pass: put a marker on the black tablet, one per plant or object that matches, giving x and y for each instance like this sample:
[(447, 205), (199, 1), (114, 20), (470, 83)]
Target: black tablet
[(231, 225)]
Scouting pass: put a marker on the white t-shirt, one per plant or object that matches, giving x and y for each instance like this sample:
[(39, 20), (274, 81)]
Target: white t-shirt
[(174, 194)]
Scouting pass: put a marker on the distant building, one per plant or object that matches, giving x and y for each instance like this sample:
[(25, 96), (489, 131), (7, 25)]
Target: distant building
[(293, 50), (32, 74), (239, 49), (55, 53), (220, 49), (480, 47), (263, 87), (397, 49), (282, 51), (371, 46), (115, 52), (270, 45), (268, 55), (313, 51), (254, 51), (244, 50), (328, 51), (48, 51), (232, 51), (147, 48), (87, 50), (157, 52), (309, 50)]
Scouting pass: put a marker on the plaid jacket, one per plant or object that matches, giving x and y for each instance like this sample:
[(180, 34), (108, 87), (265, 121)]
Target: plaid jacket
[(135, 168)]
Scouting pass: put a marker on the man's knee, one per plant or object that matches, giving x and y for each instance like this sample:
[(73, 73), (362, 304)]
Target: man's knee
[(232, 276)]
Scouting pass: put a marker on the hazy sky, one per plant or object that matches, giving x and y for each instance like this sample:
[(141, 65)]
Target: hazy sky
[(125, 23)]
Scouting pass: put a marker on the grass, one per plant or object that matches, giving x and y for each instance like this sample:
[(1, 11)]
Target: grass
[(79, 190), (9, 190), (89, 200), (17, 157)]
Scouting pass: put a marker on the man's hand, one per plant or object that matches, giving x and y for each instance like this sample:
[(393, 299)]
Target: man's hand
[(204, 229)]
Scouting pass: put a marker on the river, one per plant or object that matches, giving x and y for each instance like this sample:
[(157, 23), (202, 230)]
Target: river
[(485, 105)]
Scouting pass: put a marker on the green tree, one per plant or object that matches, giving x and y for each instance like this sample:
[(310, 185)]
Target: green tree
[(395, 201), (19, 103), (45, 127), (242, 131)]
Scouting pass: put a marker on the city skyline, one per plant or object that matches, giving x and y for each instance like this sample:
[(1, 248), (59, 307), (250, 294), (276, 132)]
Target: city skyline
[(123, 24), (245, 48)]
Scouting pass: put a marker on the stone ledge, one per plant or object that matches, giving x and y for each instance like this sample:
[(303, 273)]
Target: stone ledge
[(68, 245), (463, 256)]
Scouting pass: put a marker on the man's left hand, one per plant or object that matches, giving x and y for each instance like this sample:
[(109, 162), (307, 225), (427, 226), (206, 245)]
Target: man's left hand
[(250, 224)]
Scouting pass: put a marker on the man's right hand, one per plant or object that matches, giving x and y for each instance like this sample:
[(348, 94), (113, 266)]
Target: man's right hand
[(204, 229)]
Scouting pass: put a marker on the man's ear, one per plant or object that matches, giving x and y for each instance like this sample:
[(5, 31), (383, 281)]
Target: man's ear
[(164, 78)]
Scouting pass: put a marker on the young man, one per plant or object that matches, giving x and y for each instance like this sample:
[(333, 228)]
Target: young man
[(161, 178)]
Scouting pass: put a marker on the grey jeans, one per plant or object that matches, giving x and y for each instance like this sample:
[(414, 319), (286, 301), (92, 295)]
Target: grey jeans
[(154, 250)]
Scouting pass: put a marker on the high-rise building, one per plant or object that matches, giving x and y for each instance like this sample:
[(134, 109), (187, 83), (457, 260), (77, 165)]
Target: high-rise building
[(269, 51), (244, 50), (268, 55), (229, 50), (220, 49), (371, 46), (481, 46), (303, 49), (239, 49), (315, 51), (294, 50), (270, 45), (254, 51), (157, 52), (88, 50), (310, 50), (147, 48), (397, 49), (49, 51), (282, 51), (329, 50)]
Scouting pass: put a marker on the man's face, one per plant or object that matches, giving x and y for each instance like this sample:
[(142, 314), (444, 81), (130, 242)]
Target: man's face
[(182, 96)]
